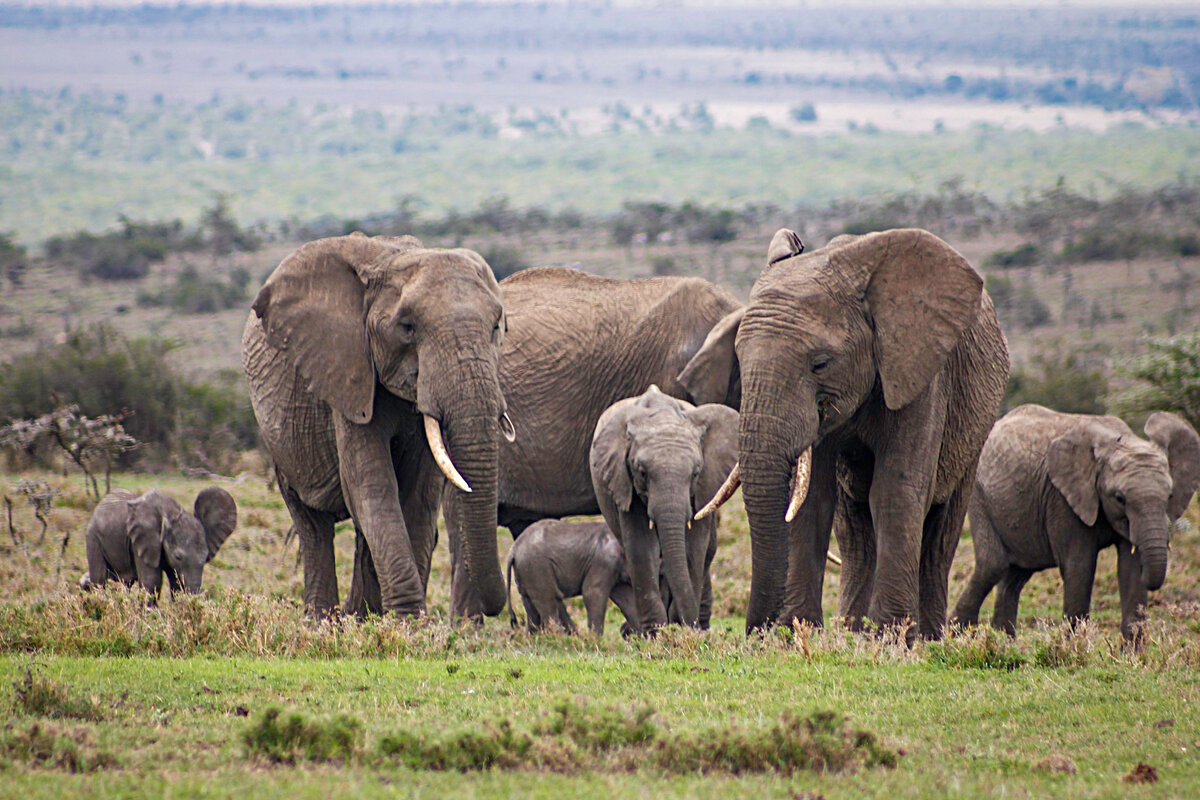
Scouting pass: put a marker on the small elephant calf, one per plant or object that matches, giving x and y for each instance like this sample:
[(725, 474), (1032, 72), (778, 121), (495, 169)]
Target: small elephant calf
[(554, 560), (1054, 489), (135, 537)]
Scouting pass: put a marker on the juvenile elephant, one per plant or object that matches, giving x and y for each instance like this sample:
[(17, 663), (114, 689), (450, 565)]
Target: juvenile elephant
[(871, 372), (135, 537), (554, 560), (361, 354), (1054, 489), (576, 344), (654, 461)]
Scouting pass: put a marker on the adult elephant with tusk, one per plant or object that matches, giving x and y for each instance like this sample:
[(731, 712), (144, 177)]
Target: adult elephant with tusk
[(577, 343), (372, 365), (871, 372)]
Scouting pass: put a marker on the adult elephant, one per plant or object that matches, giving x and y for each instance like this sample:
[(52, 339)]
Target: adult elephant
[(576, 344), (372, 371), (875, 366)]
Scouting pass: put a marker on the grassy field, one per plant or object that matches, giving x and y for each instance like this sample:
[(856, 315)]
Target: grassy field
[(99, 693)]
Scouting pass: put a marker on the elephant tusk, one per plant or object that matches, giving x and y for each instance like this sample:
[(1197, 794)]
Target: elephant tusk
[(1133, 550), (833, 559), (433, 434), (507, 429), (800, 487), (651, 524), (732, 482)]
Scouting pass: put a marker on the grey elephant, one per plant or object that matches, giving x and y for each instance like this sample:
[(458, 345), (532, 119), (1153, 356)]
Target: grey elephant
[(1054, 489), (137, 538), (372, 366), (871, 372), (576, 344), (554, 560), (654, 461)]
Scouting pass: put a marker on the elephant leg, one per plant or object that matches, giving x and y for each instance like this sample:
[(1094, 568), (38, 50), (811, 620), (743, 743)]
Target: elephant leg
[(372, 495), (991, 565), (1008, 598), (622, 595), (315, 530), (943, 529), (533, 618), (1133, 593), (564, 618), (702, 546), (597, 586), (1078, 570), (363, 597), (98, 569), (856, 543), (808, 542)]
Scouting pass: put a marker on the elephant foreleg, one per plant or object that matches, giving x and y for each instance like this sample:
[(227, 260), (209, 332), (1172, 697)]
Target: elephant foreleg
[(1008, 599), (943, 529), (808, 542), (364, 597), (856, 542)]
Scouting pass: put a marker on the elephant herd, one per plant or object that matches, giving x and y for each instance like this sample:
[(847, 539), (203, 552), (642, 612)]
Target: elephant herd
[(393, 381)]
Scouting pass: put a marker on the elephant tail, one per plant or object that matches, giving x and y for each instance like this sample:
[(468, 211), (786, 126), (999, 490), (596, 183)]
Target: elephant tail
[(508, 570)]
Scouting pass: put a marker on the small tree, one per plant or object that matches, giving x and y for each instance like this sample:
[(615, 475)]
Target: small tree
[(1166, 376), (93, 444)]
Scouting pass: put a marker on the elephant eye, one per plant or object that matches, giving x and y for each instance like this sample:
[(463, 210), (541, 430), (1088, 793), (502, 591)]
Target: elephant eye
[(819, 363), (1119, 497), (407, 330)]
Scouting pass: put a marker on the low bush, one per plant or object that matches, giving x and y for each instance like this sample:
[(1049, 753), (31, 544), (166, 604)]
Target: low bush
[(976, 648), (291, 737)]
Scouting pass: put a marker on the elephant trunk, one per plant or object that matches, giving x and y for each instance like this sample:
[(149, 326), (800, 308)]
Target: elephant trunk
[(671, 523), (470, 415), (1150, 537), (768, 445)]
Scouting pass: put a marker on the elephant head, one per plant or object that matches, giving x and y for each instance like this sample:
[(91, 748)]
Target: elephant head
[(357, 312), (1140, 486), (163, 535), (654, 461), (864, 318)]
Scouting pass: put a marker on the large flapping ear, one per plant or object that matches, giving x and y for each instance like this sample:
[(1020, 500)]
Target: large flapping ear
[(921, 294), (712, 376), (718, 441), (146, 526), (312, 308), (784, 245), (217, 513), (610, 451), (1073, 468), (1174, 435)]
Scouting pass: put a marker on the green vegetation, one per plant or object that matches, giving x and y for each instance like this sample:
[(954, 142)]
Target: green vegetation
[(1166, 377)]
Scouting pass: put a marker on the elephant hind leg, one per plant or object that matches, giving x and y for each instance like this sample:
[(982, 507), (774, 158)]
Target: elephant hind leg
[(939, 541), (364, 596), (856, 542), (1008, 597), (991, 565), (315, 531), (564, 617)]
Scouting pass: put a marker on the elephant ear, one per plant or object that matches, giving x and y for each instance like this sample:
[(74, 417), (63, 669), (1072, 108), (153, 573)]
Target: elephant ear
[(217, 512), (1174, 435), (712, 376), (312, 309), (146, 525), (719, 438), (921, 295), (610, 451), (1073, 468), (784, 245)]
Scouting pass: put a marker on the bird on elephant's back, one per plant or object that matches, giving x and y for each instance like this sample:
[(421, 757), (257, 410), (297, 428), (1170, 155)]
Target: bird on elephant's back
[(871, 370), (576, 344), (372, 368)]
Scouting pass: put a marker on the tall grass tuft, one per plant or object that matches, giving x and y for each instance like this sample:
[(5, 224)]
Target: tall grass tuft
[(291, 737)]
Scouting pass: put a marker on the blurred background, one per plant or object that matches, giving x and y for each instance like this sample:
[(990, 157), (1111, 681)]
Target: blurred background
[(156, 162)]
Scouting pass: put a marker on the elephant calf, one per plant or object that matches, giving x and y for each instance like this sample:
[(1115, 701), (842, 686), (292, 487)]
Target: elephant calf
[(554, 560), (1054, 489), (135, 537), (655, 461)]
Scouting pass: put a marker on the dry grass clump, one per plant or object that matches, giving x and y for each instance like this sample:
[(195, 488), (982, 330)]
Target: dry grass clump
[(286, 738), (41, 697), (976, 648)]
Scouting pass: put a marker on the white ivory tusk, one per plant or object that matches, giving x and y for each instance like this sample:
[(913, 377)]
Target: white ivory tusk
[(507, 429), (800, 487), (732, 482), (433, 434), (833, 559)]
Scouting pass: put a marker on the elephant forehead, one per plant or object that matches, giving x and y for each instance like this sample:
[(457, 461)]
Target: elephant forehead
[(1141, 459)]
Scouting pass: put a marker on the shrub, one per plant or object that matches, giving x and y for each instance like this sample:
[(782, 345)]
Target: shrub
[(290, 737), (806, 112), (1025, 255), (1060, 381), (1166, 377), (192, 293), (504, 260)]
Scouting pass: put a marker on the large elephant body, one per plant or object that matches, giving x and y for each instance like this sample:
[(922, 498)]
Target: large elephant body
[(1054, 489), (576, 344), (361, 353), (876, 366)]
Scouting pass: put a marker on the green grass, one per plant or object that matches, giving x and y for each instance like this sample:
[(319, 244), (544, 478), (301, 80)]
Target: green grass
[(214, 696)]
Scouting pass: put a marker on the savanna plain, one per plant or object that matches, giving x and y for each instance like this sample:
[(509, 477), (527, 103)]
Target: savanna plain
[(628, 141)]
